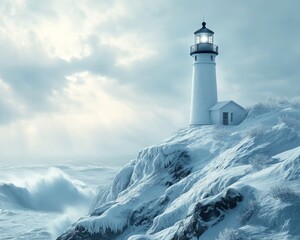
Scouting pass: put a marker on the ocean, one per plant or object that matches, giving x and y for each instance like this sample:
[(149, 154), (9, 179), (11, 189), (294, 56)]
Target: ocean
[(41, 201)]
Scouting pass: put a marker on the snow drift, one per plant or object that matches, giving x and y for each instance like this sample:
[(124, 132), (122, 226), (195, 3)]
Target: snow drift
[(208, 182)]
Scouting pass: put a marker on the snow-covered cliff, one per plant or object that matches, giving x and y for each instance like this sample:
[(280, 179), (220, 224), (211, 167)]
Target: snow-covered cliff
[(208, 182)]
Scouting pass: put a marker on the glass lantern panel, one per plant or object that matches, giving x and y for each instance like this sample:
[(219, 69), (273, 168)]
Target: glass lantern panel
[(203, 38)]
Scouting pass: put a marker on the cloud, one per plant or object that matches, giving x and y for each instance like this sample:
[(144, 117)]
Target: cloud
[(90, 122), (9, 108), (96, 77)]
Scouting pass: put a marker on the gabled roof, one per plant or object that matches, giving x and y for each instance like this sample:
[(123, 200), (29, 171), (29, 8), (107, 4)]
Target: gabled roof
[(204, 29), (219, 105), (222, 104)]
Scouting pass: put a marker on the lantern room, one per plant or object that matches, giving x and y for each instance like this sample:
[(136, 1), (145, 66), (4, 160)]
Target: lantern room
[(204, 41), (204, 35)]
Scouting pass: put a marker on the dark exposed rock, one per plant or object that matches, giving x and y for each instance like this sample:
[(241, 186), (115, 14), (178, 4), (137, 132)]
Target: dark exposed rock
[(145, 214), (206, 215), (80, 233), (178, 168)]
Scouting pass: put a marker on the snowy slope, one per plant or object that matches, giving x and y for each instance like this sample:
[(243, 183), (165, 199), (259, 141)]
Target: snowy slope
[(208, 182)]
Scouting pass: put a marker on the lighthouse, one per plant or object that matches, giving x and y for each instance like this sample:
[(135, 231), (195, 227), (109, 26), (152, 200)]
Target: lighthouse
[(204, 82), (205, 108)]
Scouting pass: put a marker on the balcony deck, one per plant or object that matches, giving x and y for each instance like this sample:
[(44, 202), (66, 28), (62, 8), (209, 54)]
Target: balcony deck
[(204, 48)]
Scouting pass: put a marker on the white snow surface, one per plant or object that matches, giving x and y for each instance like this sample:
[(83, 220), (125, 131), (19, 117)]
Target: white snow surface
[(155, 194)]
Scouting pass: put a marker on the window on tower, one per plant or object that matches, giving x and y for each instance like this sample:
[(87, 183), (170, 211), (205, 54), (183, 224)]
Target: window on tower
[(195, 58)]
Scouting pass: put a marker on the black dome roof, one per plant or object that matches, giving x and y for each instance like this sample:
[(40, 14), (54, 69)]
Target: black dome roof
[(204, 29)]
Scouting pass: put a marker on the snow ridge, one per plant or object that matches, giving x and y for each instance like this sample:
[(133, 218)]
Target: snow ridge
[(208, 182)]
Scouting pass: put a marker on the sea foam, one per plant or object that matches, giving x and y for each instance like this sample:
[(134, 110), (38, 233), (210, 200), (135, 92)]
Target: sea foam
[(53, 190)]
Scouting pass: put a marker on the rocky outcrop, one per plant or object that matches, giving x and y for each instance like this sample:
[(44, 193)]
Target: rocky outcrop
[(189, 186), (208, 214), (81, 233), (179, 167)]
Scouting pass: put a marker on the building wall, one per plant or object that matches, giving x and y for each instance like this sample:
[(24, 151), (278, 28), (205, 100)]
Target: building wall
[(215, 117), (239, 114)]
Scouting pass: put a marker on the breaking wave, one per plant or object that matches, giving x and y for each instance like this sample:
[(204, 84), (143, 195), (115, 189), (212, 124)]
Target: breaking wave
[(52, 191)]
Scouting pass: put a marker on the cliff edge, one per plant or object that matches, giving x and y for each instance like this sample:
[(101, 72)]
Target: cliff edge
[(208, 182)]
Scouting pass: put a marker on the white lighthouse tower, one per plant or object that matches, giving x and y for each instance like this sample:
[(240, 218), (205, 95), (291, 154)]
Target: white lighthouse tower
[(204, 83), (205, 108)]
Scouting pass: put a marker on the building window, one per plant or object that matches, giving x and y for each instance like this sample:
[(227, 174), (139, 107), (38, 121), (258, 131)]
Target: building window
[(231, 117), (211, 57), (195, 58)]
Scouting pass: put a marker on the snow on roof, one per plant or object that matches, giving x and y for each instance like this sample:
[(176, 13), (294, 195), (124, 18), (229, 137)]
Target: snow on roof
[(219, 105), (222, 104)]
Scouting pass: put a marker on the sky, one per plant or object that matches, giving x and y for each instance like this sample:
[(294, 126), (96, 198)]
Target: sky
[(99, 80)]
